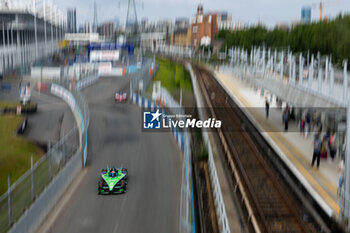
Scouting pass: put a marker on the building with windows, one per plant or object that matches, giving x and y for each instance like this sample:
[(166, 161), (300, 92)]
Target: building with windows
[(203, 25), (181, 37), (107, 29), (306, 14), (27, 36), (71, 20), (152, 40), (181, 23)]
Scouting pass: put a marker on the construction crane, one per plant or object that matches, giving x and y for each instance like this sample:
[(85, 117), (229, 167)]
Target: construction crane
[(323, 4)]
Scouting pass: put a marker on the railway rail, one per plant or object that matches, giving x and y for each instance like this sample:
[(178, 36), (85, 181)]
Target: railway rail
[(266, 200)]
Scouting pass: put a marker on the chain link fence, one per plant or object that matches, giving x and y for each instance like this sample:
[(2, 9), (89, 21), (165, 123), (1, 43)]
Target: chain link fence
[(140, 80), (29, 186)]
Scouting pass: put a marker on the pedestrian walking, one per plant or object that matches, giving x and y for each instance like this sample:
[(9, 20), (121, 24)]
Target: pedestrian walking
[(286, 118), (324, 152), (341, 171), (317, 149), (307, 125), (302, 125), (267, 108), (332, 145)]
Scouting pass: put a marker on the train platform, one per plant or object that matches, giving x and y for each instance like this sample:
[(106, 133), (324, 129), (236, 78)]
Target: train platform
[(294, 148)]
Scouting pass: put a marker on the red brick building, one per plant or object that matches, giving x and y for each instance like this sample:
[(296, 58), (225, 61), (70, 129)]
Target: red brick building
[(203, 25)]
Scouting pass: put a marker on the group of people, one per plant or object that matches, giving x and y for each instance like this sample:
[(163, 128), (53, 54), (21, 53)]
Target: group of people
[(286, 114), (323, 147)]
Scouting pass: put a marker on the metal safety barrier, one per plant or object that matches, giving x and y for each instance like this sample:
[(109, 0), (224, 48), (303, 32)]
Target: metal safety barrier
[(50, 176)]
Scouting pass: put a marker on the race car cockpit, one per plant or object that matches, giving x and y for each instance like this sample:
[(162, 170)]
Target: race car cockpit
[(113, 172)]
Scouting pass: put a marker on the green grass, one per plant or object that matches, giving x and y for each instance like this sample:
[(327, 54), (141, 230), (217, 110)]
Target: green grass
[(14, 104), (15, 151), (173, 76)]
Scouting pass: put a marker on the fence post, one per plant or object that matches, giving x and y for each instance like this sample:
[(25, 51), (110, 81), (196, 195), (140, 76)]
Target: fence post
[(281, 74), (326, 71), (320, 80), (290, 66), (331, 80), (301, 69), (9, 199), (294, 70), (32, 172), (345, 83), (311, 72), (50, 161)]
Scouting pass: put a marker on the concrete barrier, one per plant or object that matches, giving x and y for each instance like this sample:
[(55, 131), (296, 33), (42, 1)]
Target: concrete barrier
[(217, 194)]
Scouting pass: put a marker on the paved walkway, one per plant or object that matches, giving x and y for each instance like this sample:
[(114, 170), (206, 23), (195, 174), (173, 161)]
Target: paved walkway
[(294, 147)]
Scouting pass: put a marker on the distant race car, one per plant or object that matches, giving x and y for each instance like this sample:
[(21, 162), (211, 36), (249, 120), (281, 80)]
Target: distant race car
[(120, 97), (113, 180)]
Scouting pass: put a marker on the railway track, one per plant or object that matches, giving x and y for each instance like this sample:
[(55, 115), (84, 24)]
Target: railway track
[(266, 201)]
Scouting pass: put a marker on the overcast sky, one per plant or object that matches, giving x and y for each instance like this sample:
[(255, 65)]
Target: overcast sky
[(269, 12)]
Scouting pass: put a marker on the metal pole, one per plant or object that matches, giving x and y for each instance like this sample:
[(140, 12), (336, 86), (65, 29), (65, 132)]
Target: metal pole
[(311, 72), (50, 161), (35, 31), (18, 43), (320, 79), (180, 97), (332, 80), (51, 22), (56, 22), (263, 61), (281, 74), (44, 12), (294, 70), (327, 70), (301, 69), (290, 66), (9, 199), (347, 166), (345, 82), (32, 172)]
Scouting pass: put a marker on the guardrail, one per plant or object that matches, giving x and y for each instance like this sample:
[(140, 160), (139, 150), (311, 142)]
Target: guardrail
[(50, 176), (218, 199), (26, 190), (36, 214)]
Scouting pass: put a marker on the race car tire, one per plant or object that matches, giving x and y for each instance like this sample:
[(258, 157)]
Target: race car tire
[(123, 185)]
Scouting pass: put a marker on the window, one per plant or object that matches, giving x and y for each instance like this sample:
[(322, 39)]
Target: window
[(209, 19), (194, 29), (194, 20), (199, 18)]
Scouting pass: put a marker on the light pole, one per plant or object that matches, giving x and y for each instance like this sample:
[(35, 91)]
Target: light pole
[(44, 13), (35, 30)]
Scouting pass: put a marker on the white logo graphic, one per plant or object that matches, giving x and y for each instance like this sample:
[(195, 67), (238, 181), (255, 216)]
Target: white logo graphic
[(151, 120)]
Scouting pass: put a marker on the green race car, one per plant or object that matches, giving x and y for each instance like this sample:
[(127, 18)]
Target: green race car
[(113, 181)]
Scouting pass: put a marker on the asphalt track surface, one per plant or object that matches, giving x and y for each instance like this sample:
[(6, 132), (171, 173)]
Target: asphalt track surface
[(52, 120), (151, 203)]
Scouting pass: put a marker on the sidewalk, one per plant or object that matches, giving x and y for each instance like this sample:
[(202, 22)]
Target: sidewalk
[(293, 146)]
